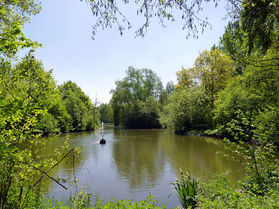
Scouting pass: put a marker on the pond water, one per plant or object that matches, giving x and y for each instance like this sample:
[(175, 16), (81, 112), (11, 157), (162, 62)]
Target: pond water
[(134, 163)]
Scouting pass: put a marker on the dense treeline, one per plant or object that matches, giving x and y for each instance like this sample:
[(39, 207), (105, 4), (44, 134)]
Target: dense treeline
[(227, 85), (63, 108), (232, 91), (192, 103), (137, 99)]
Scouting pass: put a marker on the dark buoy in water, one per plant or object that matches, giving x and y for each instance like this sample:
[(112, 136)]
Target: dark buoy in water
[(102, 141)]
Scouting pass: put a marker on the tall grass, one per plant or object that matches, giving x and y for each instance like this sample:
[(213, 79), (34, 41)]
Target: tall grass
[(187, 189)]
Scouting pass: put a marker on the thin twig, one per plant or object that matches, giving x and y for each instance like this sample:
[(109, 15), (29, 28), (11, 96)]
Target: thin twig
[(39, 180), (53, 167), (74, 172), (43, 172)]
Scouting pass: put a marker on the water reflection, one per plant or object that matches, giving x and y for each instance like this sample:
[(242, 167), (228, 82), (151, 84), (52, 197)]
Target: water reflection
[(134, 163), (200, 156), (138, 157)]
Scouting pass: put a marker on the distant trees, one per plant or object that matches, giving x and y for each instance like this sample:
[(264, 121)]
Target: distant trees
[(187, 109), (140, 101), (135, 100), (62, 109), (30, 105), (106, 114), (191, 104)]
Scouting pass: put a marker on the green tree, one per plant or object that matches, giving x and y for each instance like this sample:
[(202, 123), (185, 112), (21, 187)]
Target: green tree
[(24, 91), (165, 94), (234, 43), (259, 20), (256, 91), (138, 89), (213, 70), (187, 109), (185, 78), (106, 114), (13, 14), (79, 107)]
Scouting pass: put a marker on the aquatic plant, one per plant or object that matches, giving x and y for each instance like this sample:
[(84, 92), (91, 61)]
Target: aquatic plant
[(187, 189)]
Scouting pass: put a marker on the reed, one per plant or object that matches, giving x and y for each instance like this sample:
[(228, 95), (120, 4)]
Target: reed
[(187, 188)]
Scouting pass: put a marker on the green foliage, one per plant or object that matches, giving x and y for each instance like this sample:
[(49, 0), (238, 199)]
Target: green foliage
[(187, 189), (185, 78), (254, 93), (234, 43), (66, 108), (165, 94), (213, 70), (259, 20), (25, 88), (187, 109), (82, 201), (13, 14), (267, 124), (262, 174), (83, 114), (106, 113), (218, 194), (135, 101), (148, 203)]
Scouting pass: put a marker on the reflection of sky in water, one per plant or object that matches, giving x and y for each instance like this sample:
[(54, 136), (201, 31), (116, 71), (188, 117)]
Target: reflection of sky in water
[(134, 163)]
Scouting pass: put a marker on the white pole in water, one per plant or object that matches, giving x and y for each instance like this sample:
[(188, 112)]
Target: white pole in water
[(102, 130)]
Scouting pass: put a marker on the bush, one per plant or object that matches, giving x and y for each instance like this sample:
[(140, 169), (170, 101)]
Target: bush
[(187, 109), (218, 194)]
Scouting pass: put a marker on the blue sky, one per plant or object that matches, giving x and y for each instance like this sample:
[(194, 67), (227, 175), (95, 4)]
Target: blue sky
[(64, 28)]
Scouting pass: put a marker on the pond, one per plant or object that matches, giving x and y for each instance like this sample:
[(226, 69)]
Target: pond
[(134, 163)]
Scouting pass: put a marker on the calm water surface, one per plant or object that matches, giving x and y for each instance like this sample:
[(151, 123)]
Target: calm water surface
[(134, 163)]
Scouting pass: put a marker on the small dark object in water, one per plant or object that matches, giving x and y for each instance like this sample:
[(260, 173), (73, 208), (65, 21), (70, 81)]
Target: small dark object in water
[(102, 141)]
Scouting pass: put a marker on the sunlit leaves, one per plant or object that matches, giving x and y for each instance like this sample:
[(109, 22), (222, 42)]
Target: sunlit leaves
[(213, 70), (13, 14), (186, 109)]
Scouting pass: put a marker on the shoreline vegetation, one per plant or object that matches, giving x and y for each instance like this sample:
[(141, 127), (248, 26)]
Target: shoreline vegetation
[(232, 90)]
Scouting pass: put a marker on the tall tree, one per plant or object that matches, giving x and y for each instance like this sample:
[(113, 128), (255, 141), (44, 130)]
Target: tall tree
[(213, 70), (79, 107), (134, 100), (185, 78)]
